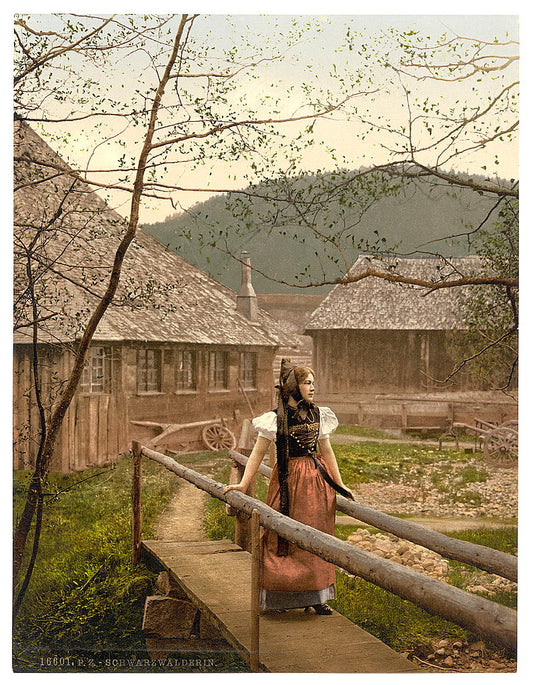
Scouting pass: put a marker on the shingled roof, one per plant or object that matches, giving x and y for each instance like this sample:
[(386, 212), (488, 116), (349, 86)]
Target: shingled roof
[(75, 235), (374, 303)]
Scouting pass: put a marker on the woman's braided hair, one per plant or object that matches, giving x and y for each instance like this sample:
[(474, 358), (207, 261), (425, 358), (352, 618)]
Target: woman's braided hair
[(289, 379)]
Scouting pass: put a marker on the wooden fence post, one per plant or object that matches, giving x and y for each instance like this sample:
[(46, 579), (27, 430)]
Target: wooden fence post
[(254, 599), (136, 527), (242, 520)]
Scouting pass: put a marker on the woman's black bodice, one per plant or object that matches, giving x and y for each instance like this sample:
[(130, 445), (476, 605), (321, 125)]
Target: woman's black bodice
[(303, 433)]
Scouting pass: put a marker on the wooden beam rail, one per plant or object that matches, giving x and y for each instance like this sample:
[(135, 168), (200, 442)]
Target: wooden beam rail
[(485, 558), (488, 619)]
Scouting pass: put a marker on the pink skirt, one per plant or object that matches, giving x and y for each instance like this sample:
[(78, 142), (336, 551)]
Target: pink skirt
[(312, 501)]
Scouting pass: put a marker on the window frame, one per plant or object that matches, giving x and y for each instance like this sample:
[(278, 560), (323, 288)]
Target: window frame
[(147, 368), (88, 383), (247, 372), (181, 385), (217, 370)]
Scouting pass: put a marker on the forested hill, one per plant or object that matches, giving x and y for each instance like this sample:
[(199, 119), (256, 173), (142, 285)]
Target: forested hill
[(284, 247)]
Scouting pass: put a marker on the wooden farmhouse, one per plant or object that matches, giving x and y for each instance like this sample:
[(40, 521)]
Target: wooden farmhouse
[(174, 347), (380, 340)]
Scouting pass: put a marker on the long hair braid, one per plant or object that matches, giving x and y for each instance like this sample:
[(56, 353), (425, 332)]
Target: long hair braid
[(286, 388)]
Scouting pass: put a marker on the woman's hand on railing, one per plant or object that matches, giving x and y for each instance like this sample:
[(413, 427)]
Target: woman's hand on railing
[(238, 486)]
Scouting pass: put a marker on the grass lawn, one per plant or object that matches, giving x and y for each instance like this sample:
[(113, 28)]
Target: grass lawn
[(367, 432), (84, 607), (364, 462)]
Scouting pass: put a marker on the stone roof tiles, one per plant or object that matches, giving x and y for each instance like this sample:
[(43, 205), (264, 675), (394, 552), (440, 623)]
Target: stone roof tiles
[(161, 297), (375, 303)]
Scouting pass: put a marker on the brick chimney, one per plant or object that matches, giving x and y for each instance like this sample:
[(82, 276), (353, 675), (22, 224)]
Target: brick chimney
[(246, 297)]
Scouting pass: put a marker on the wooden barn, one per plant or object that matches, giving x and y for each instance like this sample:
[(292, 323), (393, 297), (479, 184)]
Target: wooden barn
[(386, 344), (175, 347)]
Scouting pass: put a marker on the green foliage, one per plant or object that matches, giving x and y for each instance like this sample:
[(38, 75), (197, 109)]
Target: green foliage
[(397, 622), (382, 216), (490, 340), (343, 532), (470, 474), (467, 497), (452, 479), (84, 608), (373, 461), (365, 432), (217, 524), (85, 594), (502, 539)]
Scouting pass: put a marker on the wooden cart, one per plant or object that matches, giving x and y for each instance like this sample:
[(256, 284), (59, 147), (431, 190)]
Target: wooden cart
[(498, 441), (214, 433)]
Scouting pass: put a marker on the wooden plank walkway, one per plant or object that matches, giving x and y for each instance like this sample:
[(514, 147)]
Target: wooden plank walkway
[(216, 576)]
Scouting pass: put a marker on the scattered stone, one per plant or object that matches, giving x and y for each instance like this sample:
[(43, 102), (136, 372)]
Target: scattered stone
[(480, 646), (445, 654), (441, 490), (166, 585), (403, 552), (167, 617), (162, 584), (496, 497), (490, 584), (207, 630)]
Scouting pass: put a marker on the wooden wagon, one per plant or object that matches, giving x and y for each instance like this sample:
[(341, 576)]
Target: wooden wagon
[(214, 433), (498, 441)]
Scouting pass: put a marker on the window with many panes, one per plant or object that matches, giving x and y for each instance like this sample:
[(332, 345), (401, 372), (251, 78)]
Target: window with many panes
[(186, 370), (96, 375), (149, 370), (248, 370), (218, 370)]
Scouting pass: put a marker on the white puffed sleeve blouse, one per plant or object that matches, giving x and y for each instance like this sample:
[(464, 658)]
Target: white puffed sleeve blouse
[(266, 424)]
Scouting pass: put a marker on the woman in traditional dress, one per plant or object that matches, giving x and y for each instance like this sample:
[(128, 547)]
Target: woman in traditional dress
[(302, 486)]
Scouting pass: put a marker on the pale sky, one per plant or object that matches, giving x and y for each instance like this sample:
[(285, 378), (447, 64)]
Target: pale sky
[(344, 136)]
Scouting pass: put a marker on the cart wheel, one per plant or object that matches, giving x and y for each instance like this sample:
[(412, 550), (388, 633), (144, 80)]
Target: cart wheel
[(500, 446), (218, 437)]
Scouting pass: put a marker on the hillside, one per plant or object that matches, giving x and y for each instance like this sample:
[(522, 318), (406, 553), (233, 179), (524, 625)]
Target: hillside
[(283, 246)]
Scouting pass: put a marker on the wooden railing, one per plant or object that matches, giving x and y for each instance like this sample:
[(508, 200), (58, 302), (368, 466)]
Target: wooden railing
[(483, 617), (485, 558)]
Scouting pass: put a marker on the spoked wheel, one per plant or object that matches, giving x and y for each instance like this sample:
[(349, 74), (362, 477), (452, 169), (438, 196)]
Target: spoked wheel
[(218, 437), (500, 446)]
